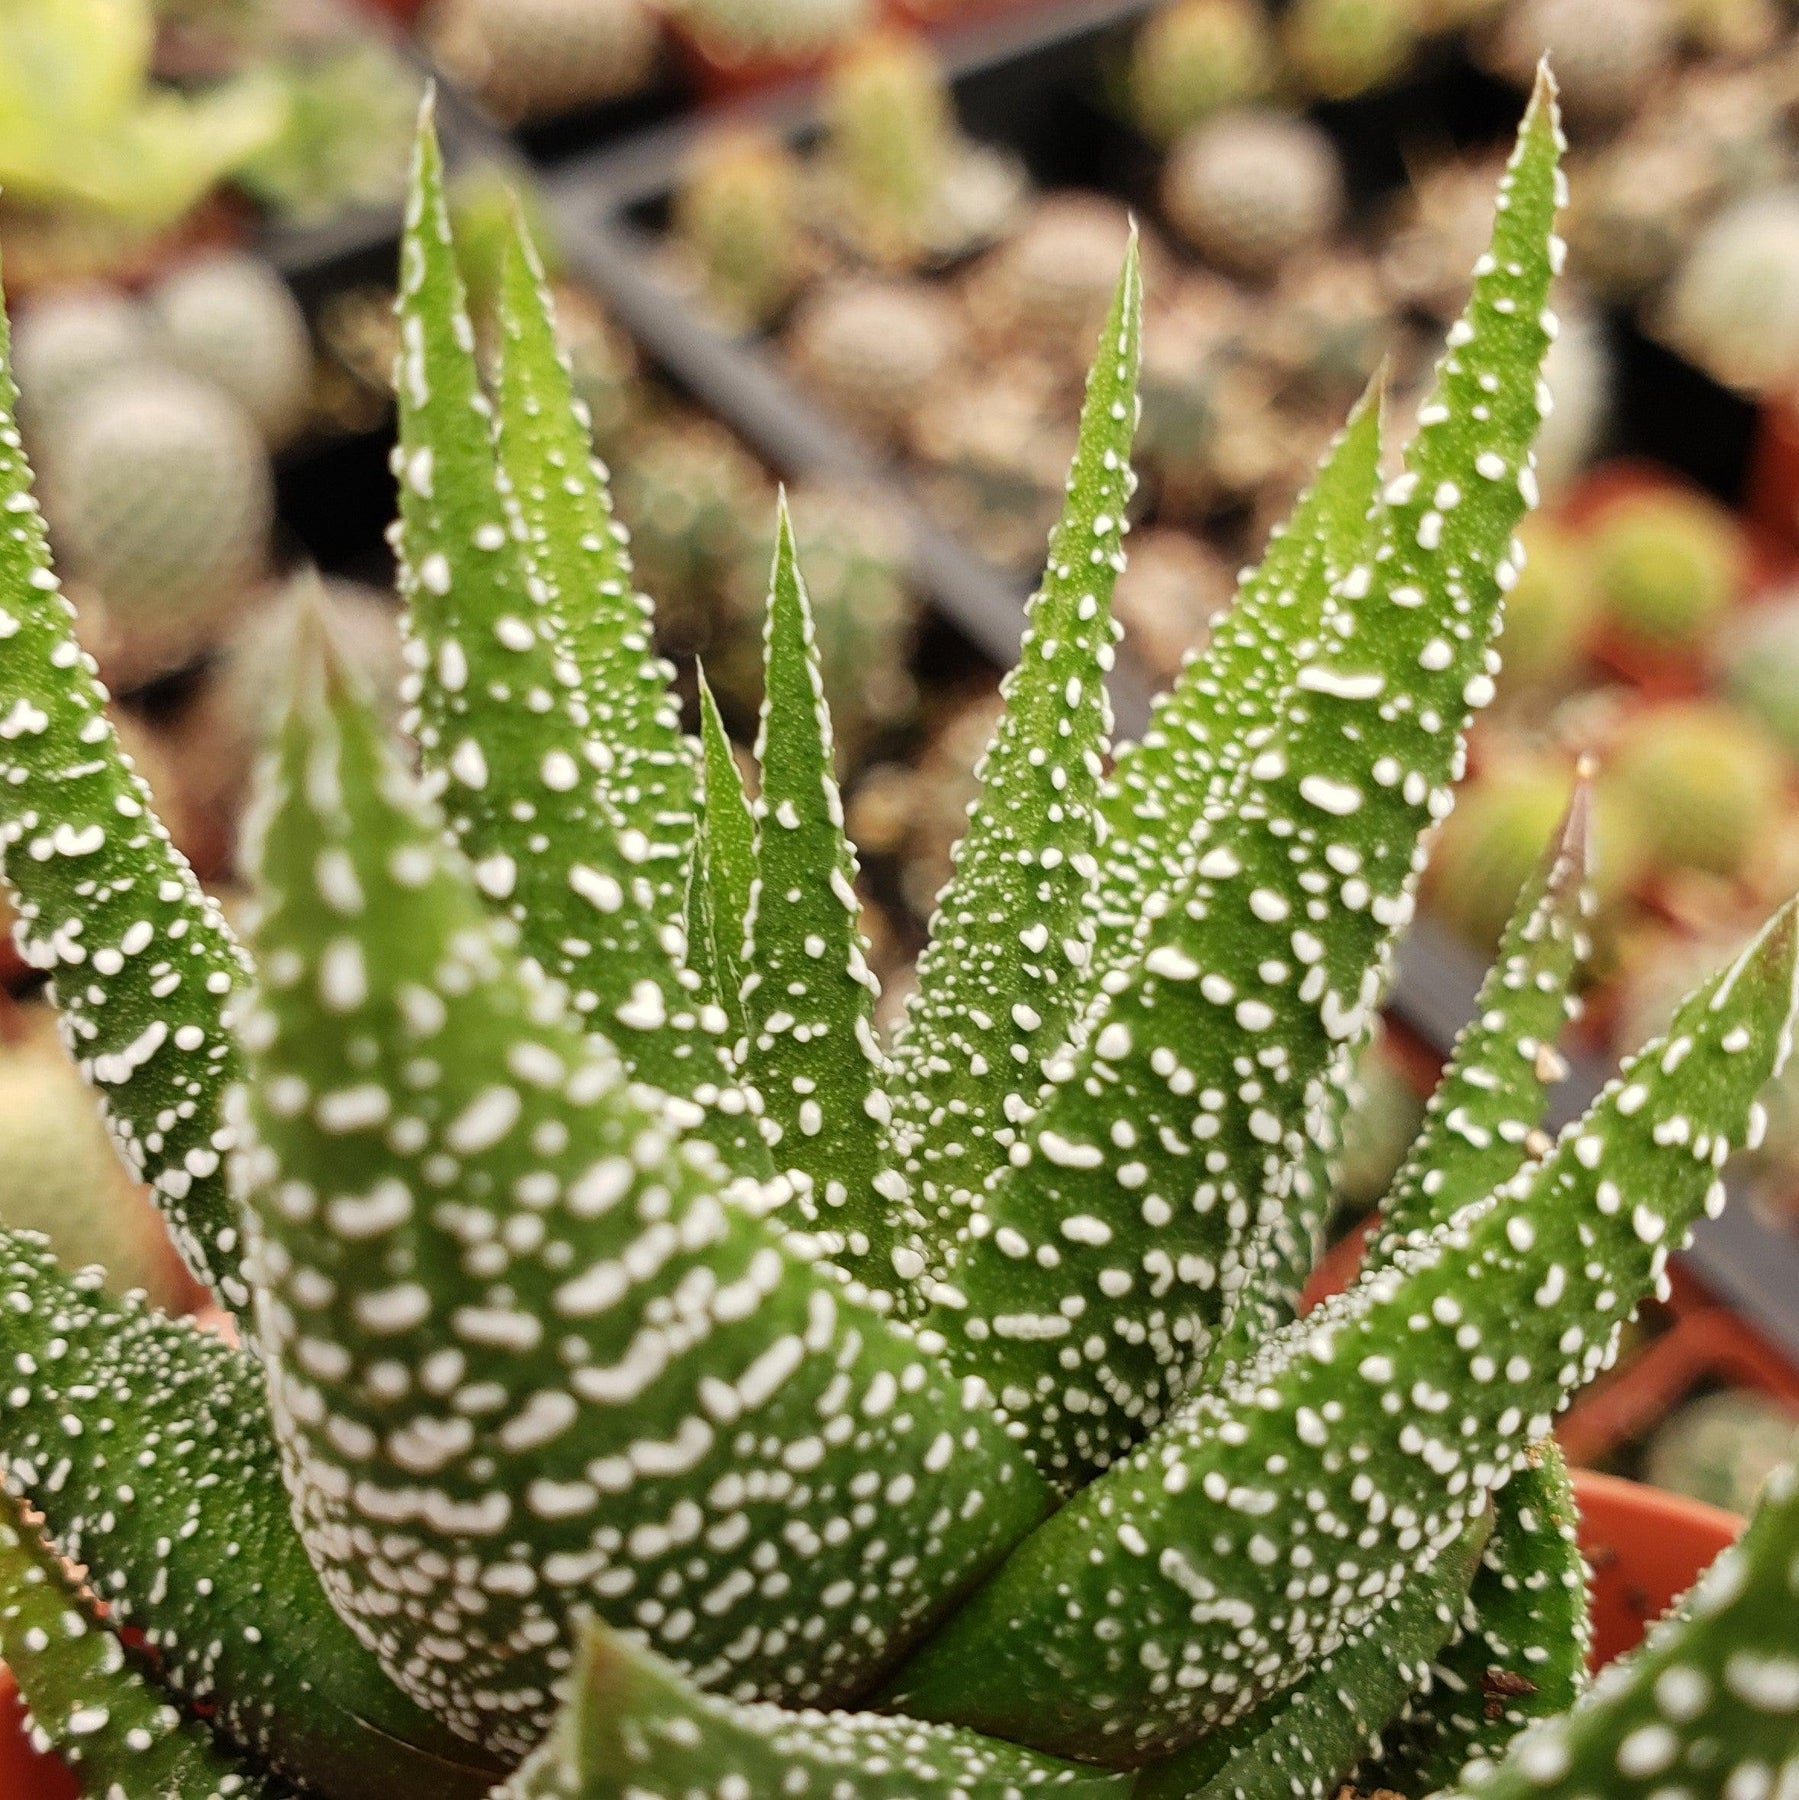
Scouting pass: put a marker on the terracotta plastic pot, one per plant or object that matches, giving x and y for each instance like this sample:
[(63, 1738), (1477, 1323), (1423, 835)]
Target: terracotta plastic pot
[(1645, 1547)]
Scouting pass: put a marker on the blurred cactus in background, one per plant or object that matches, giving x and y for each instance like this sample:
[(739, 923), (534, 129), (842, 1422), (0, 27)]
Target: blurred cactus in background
[(1192, 57), (737, 217)]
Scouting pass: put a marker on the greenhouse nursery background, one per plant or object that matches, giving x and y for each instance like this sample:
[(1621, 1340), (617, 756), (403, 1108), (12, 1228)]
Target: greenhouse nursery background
[(858, 252)]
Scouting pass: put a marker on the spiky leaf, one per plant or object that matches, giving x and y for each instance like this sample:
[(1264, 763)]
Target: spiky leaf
[(808, 993), (1305, 1741), (97, 1707), (1183, 1586), (500, 720), (1481, 1118), (140, 960), (148, 1448), (1523, 1652), (1103, 1261), (634, 1729), (724, 857), (530, 1341), (1709, 1705), (998, 983), (1198, 732), (577, 550)]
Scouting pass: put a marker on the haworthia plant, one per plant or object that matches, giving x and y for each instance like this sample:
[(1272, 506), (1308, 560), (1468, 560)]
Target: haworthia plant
[(1102, 1261), (655, 1387)]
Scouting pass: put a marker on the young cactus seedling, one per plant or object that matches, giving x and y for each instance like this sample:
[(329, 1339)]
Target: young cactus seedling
[(657, 1387)]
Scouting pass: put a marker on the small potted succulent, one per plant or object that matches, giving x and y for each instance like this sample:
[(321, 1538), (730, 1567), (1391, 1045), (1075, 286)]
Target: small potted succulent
[(653, 1386)]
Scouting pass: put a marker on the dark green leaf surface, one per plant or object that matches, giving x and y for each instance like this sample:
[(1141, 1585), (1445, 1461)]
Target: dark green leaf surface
[(501, 721), (1173, 1594), (1709, 1705), (1491, 1099), (533, 1345), (96, 1707), (999, 981), (148, 1448), (634, 1729), (1523, 1653), (808, 993), (1305, 1741)]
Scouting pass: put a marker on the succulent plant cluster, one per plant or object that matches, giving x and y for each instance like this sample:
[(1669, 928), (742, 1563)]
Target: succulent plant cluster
[(653, 1385)]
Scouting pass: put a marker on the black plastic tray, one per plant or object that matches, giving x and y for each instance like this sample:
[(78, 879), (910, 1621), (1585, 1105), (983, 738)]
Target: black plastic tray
[(1005, 74)]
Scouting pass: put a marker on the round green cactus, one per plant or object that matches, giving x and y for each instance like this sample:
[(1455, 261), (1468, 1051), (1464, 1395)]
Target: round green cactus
[(60, 1176), (532, 59), (737, 216), (1705, 785), (1191, 57), (1669, 566), (1488, 846), (161, 499), (231, 320), (1721, 1448), (1761, 668), (1550, 611), (1250, 187), (1340, 48), (66, 342), (874, 349), (891, 139)]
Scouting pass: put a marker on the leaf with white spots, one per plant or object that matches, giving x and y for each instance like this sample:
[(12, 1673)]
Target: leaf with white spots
[(1303, 1743), (1709, 1705), (100, 1709), (724, 863), (1523, 1653), (999, 981), (1200, 729), (140, 960), (1488, 1106), (1101, 1265), (808, 994), (634, 1729), (534, 1343), (147, 1447), (577, 550), (500, 721), (1185, 1585)]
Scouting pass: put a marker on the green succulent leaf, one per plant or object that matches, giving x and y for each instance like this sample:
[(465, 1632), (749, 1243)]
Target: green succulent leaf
[(635, 1729), (1165, 785), (999, 981), (724, 859), (141, 962), (531, 1342), (577, 550), (148, 1448), (1522, 1654), (1479, 1123), (1178, 1591), (1104, 1260), (1305, 1741), (500, 719), (1708, 1705), (808, 994), (96, 1706)]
